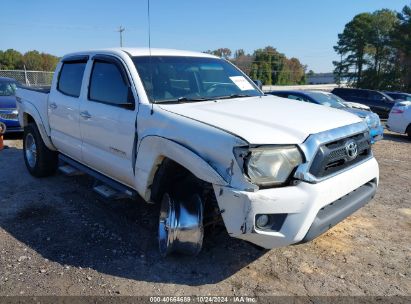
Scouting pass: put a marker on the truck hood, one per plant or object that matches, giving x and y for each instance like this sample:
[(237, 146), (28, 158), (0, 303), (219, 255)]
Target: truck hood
[(266, 119), (7, 102)]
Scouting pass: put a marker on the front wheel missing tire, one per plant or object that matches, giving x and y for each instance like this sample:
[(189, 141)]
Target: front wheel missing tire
[(181, 225)]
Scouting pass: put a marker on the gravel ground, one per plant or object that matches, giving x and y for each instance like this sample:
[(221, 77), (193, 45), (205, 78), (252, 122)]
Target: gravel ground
[(57, 237)]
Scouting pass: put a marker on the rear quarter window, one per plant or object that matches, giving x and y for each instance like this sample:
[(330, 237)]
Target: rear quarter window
[(71, 77)]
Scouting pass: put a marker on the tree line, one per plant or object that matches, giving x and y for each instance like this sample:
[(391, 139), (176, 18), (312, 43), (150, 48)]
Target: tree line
[(375, 51), (32, 60), (266, 64)]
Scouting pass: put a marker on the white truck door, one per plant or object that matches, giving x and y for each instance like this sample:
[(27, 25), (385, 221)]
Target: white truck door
[(64, 107), (108, 120)]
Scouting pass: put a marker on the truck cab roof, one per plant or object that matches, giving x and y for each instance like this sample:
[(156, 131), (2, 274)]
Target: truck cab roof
[(134, 52)]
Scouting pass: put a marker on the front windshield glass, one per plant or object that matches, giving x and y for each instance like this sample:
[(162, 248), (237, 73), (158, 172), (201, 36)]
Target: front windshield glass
[(329, 100), (189, 79), (7, 88)]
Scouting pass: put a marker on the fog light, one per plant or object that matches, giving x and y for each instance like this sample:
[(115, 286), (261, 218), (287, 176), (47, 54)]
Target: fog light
[(262, 220)]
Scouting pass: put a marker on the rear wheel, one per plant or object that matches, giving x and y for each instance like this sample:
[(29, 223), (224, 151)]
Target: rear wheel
[(40, 160)]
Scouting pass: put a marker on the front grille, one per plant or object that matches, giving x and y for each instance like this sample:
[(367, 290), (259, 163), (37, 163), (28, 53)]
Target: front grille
[(9, 116), (334, 157)]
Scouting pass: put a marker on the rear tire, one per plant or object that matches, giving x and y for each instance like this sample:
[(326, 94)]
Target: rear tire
[(40, 160)]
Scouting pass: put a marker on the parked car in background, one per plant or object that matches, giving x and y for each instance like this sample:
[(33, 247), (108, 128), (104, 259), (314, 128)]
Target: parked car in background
[(399, 120), (399, 96), (356, 105), (333, 101), (8, 109), (192, 133), (258, 83), (379, 102)]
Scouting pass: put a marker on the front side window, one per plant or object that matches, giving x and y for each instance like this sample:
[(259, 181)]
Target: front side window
[(107, 84), (189, 79), (71, 77), (7, 88)]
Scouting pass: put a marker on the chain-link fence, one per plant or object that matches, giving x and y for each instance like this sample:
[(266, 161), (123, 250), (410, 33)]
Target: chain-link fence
[(30, 78)]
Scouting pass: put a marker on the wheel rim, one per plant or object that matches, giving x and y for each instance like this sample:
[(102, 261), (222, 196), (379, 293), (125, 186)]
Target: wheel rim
[(30, 150), (180, 225)]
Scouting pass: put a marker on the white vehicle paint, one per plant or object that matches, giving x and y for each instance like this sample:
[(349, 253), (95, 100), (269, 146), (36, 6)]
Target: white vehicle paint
[(399, 119), (260, 155)]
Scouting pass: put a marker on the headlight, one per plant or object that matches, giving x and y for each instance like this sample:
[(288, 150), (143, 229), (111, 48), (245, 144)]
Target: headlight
[(271, 166), (372, 120)]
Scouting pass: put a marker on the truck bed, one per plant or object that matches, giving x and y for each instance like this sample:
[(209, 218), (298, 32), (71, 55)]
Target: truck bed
[(36, 97), (40, 89)]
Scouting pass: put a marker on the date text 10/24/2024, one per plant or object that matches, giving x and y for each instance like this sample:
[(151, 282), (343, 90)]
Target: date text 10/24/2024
[(203, 299)]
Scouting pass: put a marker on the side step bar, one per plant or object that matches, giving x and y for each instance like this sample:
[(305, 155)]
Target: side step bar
[(69, 170), (104, 186)]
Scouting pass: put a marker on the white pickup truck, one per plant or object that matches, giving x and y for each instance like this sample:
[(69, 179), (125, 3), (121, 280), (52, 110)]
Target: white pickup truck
[(193, 134)]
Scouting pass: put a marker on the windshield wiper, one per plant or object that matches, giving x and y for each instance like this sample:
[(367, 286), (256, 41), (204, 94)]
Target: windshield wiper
[(232, 96), (183, 99)]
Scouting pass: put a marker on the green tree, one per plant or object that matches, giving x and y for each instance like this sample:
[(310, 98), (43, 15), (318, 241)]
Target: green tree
[(351, 46), (380, 50), (11, 60), (239, 53), (401, 39), (48, 62), (33, 60), (374, 50), (282, 71)]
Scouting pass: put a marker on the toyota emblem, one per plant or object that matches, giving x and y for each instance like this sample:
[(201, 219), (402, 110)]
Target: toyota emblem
[(351, 149)]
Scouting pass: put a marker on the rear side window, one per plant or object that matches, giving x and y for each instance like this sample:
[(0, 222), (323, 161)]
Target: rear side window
[(71, 77), (376, 96), (107, 84)]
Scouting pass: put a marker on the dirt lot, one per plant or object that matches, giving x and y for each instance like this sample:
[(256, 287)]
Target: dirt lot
[(57, 237)]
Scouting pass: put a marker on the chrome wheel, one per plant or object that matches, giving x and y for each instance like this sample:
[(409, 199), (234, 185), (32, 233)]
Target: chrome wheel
[(181, 225), (30, 150)]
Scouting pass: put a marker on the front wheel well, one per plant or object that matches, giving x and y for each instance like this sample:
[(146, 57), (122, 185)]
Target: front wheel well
[(28, 119), (171, 174)]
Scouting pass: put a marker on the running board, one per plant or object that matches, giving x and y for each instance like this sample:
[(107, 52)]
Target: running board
[(69, 170), (104, 186)]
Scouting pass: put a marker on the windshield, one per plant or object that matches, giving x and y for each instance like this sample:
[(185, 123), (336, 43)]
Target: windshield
[(189, 79), (327, 99), (7, 88)]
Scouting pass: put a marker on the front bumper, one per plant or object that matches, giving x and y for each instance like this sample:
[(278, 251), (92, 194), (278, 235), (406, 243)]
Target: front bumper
[(10, 119), (376, 134), (301, 203)]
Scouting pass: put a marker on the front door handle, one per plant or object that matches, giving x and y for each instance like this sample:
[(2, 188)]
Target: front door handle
[(53, 106), (85, 115)]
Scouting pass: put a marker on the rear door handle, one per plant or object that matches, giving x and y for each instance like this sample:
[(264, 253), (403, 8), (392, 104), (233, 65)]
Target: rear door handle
[(53, 106), (85, 115)]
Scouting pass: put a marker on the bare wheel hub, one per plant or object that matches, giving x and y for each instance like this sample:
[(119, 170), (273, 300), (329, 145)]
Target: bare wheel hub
[(30, 149), (181, 225)]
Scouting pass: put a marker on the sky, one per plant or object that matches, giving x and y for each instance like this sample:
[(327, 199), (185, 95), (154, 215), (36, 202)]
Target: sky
[(303, 29)]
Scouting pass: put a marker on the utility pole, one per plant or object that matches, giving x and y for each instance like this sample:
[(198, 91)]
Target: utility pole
[(121, 30)]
